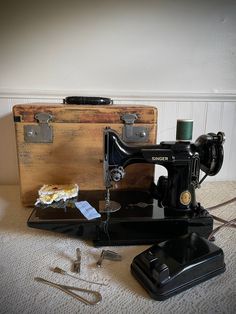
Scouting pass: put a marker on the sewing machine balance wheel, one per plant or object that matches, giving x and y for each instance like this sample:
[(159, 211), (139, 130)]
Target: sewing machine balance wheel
[(210, 148)]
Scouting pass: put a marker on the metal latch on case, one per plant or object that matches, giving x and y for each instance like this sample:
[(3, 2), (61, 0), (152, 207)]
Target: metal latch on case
[(40, 133), (133, 133)]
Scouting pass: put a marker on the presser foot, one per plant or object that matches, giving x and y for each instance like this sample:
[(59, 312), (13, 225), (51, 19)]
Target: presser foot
[(108, 206)]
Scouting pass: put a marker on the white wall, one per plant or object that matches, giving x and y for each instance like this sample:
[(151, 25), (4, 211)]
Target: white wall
[(179, 55), (129, 47)]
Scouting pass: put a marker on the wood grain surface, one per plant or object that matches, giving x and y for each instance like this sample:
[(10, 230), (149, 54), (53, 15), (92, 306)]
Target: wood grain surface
[(76, 153)]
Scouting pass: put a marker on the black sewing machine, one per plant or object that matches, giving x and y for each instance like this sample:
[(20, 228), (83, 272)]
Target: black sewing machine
[(182, 159), (185, 258), (168, 209)]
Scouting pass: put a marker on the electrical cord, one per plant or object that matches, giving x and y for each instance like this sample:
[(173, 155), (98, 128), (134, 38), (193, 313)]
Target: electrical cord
[(211, 236), (225, 223), (222, 204)]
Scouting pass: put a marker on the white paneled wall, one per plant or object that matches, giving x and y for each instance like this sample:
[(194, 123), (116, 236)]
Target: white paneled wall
[(208, 116)]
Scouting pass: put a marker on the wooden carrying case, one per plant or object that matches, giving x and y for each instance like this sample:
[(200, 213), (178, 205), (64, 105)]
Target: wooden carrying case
[(60, 144)]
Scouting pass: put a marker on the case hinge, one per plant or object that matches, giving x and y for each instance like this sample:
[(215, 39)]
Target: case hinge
[(133, 133), (40, 133)]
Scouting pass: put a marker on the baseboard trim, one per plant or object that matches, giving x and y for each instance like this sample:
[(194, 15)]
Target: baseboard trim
[(144, 96)]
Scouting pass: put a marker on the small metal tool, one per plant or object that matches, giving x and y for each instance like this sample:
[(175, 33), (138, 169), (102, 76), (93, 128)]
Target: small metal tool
[(110, 255), (63, 272), (77, 263), (68, 290)]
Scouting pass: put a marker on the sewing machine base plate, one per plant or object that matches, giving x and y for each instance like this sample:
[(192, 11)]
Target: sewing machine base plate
[(139, 221)]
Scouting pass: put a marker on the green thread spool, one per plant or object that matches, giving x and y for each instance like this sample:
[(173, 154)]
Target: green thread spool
[(184, 130)]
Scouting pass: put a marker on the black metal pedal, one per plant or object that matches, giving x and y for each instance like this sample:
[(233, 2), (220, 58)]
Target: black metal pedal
[(175, 265)]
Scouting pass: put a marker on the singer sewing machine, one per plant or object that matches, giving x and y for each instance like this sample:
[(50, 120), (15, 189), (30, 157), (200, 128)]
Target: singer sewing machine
[(166, 210), (182, 159)]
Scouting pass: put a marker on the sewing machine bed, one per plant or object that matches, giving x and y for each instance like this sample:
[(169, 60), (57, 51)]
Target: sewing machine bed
[(139, 221)]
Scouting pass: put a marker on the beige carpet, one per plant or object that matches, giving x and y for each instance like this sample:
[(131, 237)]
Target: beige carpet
[(26, 253)]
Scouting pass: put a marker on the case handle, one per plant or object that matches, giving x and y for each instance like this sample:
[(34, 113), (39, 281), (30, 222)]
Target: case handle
[(86, 100)]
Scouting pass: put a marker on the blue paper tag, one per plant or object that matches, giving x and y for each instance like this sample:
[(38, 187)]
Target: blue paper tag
[(87, 210)]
